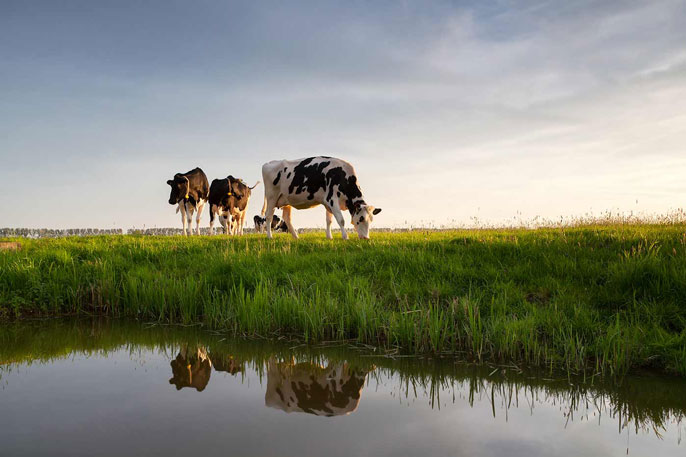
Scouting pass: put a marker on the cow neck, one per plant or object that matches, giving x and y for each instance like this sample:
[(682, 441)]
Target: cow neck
[(188, 186)]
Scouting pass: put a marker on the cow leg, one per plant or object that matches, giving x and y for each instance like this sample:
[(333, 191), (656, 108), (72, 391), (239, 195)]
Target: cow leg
[(223, 220), (329, 220), (201, 206), (182, 208), (213, 211), (243, 219), (189, 218), (340, 219), (234, 224), (287, 217), (231, 224), (269, 216)]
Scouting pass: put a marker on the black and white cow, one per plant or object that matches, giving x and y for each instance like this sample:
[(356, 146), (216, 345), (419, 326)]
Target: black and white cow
[(308, 388), (277, 224), (189, 191), (229, 199), (316, 181)]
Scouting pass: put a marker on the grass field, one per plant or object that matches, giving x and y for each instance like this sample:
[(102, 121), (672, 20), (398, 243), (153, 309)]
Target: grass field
[(593, 298)]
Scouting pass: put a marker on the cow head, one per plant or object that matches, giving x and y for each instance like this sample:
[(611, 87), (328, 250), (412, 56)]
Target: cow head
[(179, 188), (363, 215)]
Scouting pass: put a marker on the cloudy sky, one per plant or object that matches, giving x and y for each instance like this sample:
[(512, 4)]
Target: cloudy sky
[(449, 111)]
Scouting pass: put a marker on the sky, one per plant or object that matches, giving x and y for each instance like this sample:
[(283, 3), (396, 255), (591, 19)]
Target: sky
[(450, 112)]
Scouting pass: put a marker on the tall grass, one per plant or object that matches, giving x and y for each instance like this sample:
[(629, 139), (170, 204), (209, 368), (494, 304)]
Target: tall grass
[(593, 298)]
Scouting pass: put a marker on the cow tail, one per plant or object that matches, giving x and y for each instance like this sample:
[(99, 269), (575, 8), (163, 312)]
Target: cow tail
[(264, 206), (255, 185)]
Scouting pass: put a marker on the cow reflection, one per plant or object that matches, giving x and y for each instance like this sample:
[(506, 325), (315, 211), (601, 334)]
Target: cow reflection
[(226, 363), (304, 387), (191, 368)]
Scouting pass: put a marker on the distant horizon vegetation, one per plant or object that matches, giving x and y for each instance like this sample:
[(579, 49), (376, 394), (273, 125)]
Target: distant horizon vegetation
[(675, 216)]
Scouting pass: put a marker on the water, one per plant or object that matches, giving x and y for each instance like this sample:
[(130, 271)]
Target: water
[(118, 388)]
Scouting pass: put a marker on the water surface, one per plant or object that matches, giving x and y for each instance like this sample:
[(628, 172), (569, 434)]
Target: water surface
[(78, 387)]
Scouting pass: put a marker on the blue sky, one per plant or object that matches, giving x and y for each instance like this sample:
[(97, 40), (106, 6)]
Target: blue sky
[(449, 111)]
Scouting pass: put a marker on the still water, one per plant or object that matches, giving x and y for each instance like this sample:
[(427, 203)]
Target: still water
[(75, 387)]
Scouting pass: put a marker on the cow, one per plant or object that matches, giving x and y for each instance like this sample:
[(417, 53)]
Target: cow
[(316, 181), (222, 199), (277, 224), (334, 390), (240, 209), (189, 191), (229, 199), (191, 368)]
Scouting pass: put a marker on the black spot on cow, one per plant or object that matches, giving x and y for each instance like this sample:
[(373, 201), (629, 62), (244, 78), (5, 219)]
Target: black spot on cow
[(308, 178), (346, 184), (288, 176), (276, 180)]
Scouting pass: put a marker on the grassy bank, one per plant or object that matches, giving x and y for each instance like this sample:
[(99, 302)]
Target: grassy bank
[(598, 298)]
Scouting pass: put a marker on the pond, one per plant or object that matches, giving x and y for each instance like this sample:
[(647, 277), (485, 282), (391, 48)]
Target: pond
[(111, 387)]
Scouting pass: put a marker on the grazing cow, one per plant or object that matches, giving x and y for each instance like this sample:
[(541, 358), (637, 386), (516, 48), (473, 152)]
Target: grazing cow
[(189, 191), (277, 224), (316, 181), (191, 368), (308, 388)]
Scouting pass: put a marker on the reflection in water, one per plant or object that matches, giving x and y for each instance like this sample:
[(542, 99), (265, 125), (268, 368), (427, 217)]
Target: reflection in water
[(310, 388), (292, 387), (191, 369), (328, 381), (226, 363)]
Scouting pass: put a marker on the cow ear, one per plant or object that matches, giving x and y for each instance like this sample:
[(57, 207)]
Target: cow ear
[(170, 182), (376, 211)]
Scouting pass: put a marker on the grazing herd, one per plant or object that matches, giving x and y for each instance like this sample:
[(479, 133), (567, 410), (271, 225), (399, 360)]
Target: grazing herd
[(299, 184)]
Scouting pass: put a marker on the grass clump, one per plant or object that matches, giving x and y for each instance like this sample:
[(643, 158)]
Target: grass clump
[(605, 298)]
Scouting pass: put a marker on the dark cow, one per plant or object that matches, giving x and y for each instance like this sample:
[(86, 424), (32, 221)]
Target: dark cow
[(277, 224), (191, 368), (308, 388), (189, 191), (222, 199), (229, 199), (316, 181)]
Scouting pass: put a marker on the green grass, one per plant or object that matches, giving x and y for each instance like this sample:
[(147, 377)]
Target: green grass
[(595, 298)]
